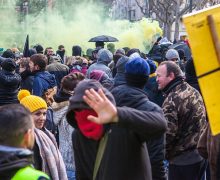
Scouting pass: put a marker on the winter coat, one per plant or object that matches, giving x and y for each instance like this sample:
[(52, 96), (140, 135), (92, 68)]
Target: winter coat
[(126, 155), (209, 148), (43, 81), (18, 160), (65, 134), (9, 86), (99, 65), (119, 78), (51, 159), (58, 70), (136, 98), (186, 116)]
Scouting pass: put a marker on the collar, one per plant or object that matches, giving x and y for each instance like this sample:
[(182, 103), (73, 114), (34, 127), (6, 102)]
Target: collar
[(172, 84)]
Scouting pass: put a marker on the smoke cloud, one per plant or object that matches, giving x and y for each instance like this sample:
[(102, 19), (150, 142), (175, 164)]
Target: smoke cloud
[(75, 26)]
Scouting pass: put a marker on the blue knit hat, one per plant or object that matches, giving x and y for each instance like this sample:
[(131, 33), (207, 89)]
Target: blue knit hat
[(137, 66), (152, 65)]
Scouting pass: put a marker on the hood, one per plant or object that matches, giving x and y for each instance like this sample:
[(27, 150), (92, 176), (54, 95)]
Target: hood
[(104, 56), (77, 102), (10, 78), (50, 78), (12, 159), (120, 65)]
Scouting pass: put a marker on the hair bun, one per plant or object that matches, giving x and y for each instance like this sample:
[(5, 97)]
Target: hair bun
[(23, 93)]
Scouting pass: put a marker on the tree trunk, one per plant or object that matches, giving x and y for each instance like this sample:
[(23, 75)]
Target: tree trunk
[(176, 32), (167, 30)]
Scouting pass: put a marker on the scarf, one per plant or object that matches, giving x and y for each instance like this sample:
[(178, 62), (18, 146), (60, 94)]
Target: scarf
[(52, 162), (89, 129)]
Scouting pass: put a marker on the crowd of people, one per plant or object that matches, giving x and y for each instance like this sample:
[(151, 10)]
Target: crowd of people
[(108, 114)]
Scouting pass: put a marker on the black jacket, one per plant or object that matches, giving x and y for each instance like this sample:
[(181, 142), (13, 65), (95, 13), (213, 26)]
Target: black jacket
[(13, 159), (9, 86), (136, 98), (27, 80), (126, 155)]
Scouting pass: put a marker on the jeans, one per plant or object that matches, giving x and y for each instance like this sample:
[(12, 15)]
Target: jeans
[(71, 175)]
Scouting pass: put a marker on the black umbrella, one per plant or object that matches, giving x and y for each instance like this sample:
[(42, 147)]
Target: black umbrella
[(103, 38)]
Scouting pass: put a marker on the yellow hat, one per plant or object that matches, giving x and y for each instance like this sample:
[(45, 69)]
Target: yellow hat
[(31, 102)]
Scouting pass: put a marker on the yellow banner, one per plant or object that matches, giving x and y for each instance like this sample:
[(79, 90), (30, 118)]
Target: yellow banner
[(203, 28)]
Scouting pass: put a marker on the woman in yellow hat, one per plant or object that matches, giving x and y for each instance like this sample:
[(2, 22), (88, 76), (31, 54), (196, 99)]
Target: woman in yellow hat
[(47, 156)]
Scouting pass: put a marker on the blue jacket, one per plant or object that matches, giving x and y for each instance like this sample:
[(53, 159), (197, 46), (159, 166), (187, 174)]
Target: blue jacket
[(43, 81)]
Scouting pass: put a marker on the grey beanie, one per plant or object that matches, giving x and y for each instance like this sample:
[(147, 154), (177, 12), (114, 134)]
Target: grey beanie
[(105, 55), (172, 54)]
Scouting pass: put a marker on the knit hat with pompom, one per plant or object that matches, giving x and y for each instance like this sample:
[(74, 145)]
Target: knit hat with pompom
[(31, 102)]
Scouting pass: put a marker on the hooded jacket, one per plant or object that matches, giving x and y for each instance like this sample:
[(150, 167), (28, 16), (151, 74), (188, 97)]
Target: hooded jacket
[(119, 78), (14, 160), (57, 69), (43, 81), (136, 98), (9, 85), (105, 57), (126, 155)]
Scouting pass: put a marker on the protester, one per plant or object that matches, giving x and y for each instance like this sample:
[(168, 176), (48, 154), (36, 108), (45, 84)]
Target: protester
[(186, 116), (119, 78), (9, 82), (44, 82), (58, 69), (46, 153), (60, 107), (39, 48), (125, 155), (26, 75), (173, 55), (76, 51), (16, 138), (61, 53), (151, 87), (48, 53), (104, 58), (209, 148), (102, 77), (132, 95)]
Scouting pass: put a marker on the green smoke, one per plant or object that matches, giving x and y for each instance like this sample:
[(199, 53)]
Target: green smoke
[(75, 24)]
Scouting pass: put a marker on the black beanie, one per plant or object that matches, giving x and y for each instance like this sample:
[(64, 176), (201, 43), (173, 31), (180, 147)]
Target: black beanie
[(8, 64), (39, 49), (76, 51), (8, 54)]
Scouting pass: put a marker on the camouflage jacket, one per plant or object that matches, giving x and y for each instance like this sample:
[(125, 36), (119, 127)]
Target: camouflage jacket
[(186, 116)]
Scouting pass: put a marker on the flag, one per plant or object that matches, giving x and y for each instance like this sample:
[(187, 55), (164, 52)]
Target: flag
[(26, 47)]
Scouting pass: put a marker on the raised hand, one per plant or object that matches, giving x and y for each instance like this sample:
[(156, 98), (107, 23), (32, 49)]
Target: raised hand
[(107, 112)]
